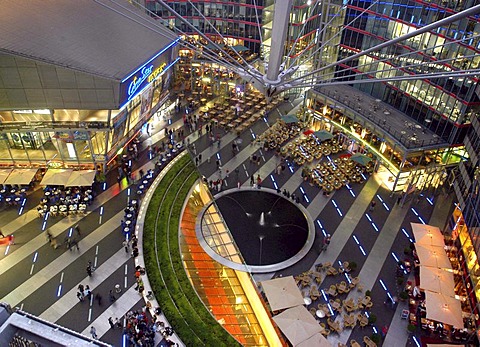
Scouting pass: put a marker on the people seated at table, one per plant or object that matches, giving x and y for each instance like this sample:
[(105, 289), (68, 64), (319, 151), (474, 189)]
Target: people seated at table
[(59, 200), (13, 195)]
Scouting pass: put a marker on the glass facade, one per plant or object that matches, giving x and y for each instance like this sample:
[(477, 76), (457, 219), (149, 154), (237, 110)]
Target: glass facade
[(442, 105), (230, 295), (76, 137)]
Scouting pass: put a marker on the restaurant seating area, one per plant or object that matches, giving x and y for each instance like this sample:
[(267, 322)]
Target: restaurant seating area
[(12, 195), (65, 201), (331, 305), (237, 114), (307, 148), (278, 134), (335, 174)]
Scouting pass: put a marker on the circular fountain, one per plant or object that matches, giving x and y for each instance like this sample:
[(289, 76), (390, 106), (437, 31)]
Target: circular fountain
[(270, 231)]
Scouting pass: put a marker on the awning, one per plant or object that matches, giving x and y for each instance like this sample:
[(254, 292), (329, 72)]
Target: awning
[(212, 46), (433, 256), (323, 135), (240, 48), (443, 308), (361, 159), (282, 293), (316, 340), (297, 324), (21, 176), (4, 174), (81, 178), (290, 118), (56, 177), (437, 280), (427, 235)]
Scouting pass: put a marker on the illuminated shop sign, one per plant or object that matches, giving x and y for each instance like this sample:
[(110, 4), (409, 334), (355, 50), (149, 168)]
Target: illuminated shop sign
[(133, 84)]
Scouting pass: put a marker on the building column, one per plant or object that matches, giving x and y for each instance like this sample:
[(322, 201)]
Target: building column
[(281, 18)]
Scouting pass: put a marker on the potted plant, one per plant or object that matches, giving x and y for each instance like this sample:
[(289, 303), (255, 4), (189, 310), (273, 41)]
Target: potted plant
[(372, 319), (375, 338), (403, 295), (411, 328), (400, 280), (368, 293)]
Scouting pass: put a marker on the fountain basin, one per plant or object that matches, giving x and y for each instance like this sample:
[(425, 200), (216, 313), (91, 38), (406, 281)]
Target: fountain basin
[(270, 231)]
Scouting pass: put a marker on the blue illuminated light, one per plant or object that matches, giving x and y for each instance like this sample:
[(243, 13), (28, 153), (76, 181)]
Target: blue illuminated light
[(173, 43), (104, 185)]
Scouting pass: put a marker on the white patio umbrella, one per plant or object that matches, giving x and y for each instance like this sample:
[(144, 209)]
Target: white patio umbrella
[(437, 280), (4, 174), (81, 178), (297, 324), (316, 340), (443, 308), (56, 177), (433, 256), (427, 235), (282, 293), (21, 176)]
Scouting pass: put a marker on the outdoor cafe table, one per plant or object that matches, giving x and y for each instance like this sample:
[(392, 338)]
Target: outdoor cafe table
[(320, 314)]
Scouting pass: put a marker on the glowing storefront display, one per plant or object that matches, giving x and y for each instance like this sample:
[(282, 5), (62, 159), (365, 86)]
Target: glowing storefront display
[(229, 294), (472, 271)]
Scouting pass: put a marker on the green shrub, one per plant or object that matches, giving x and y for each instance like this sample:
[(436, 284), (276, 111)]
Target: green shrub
[(185, 311)]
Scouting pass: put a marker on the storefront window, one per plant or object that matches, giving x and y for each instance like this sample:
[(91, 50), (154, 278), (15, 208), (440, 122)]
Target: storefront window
[(5, 158), (33, 142)]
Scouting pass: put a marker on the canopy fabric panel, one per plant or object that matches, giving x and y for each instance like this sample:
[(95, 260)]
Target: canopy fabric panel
[(282, 293), (297, 324), (443, 308), (427, 235), (240, 48), (437, 280), (362, 159), (316, 340), (290, 118), (323, 135), (21, 176), (433, 256), (56, 177), (81, 178), (4, 173)]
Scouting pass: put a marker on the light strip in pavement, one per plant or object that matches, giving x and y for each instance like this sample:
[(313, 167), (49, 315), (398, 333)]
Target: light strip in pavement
[(19, 294), (64, 304)]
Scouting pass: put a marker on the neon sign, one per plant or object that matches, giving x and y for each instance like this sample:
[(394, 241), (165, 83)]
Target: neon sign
[(156, 72), (138, 80)]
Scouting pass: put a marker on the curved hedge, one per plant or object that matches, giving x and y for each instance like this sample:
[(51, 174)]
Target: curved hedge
[(180, 303)]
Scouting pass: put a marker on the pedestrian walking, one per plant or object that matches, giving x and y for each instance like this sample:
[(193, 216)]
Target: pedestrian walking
[(125, 245), (93, 332), (75, 244), (77, 230), (372, 205), (1, 233), (89, 270), (326, 242), (252, 180), (88, 292), (111, 296), (99, 298), (111, 322), (80, 296)]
